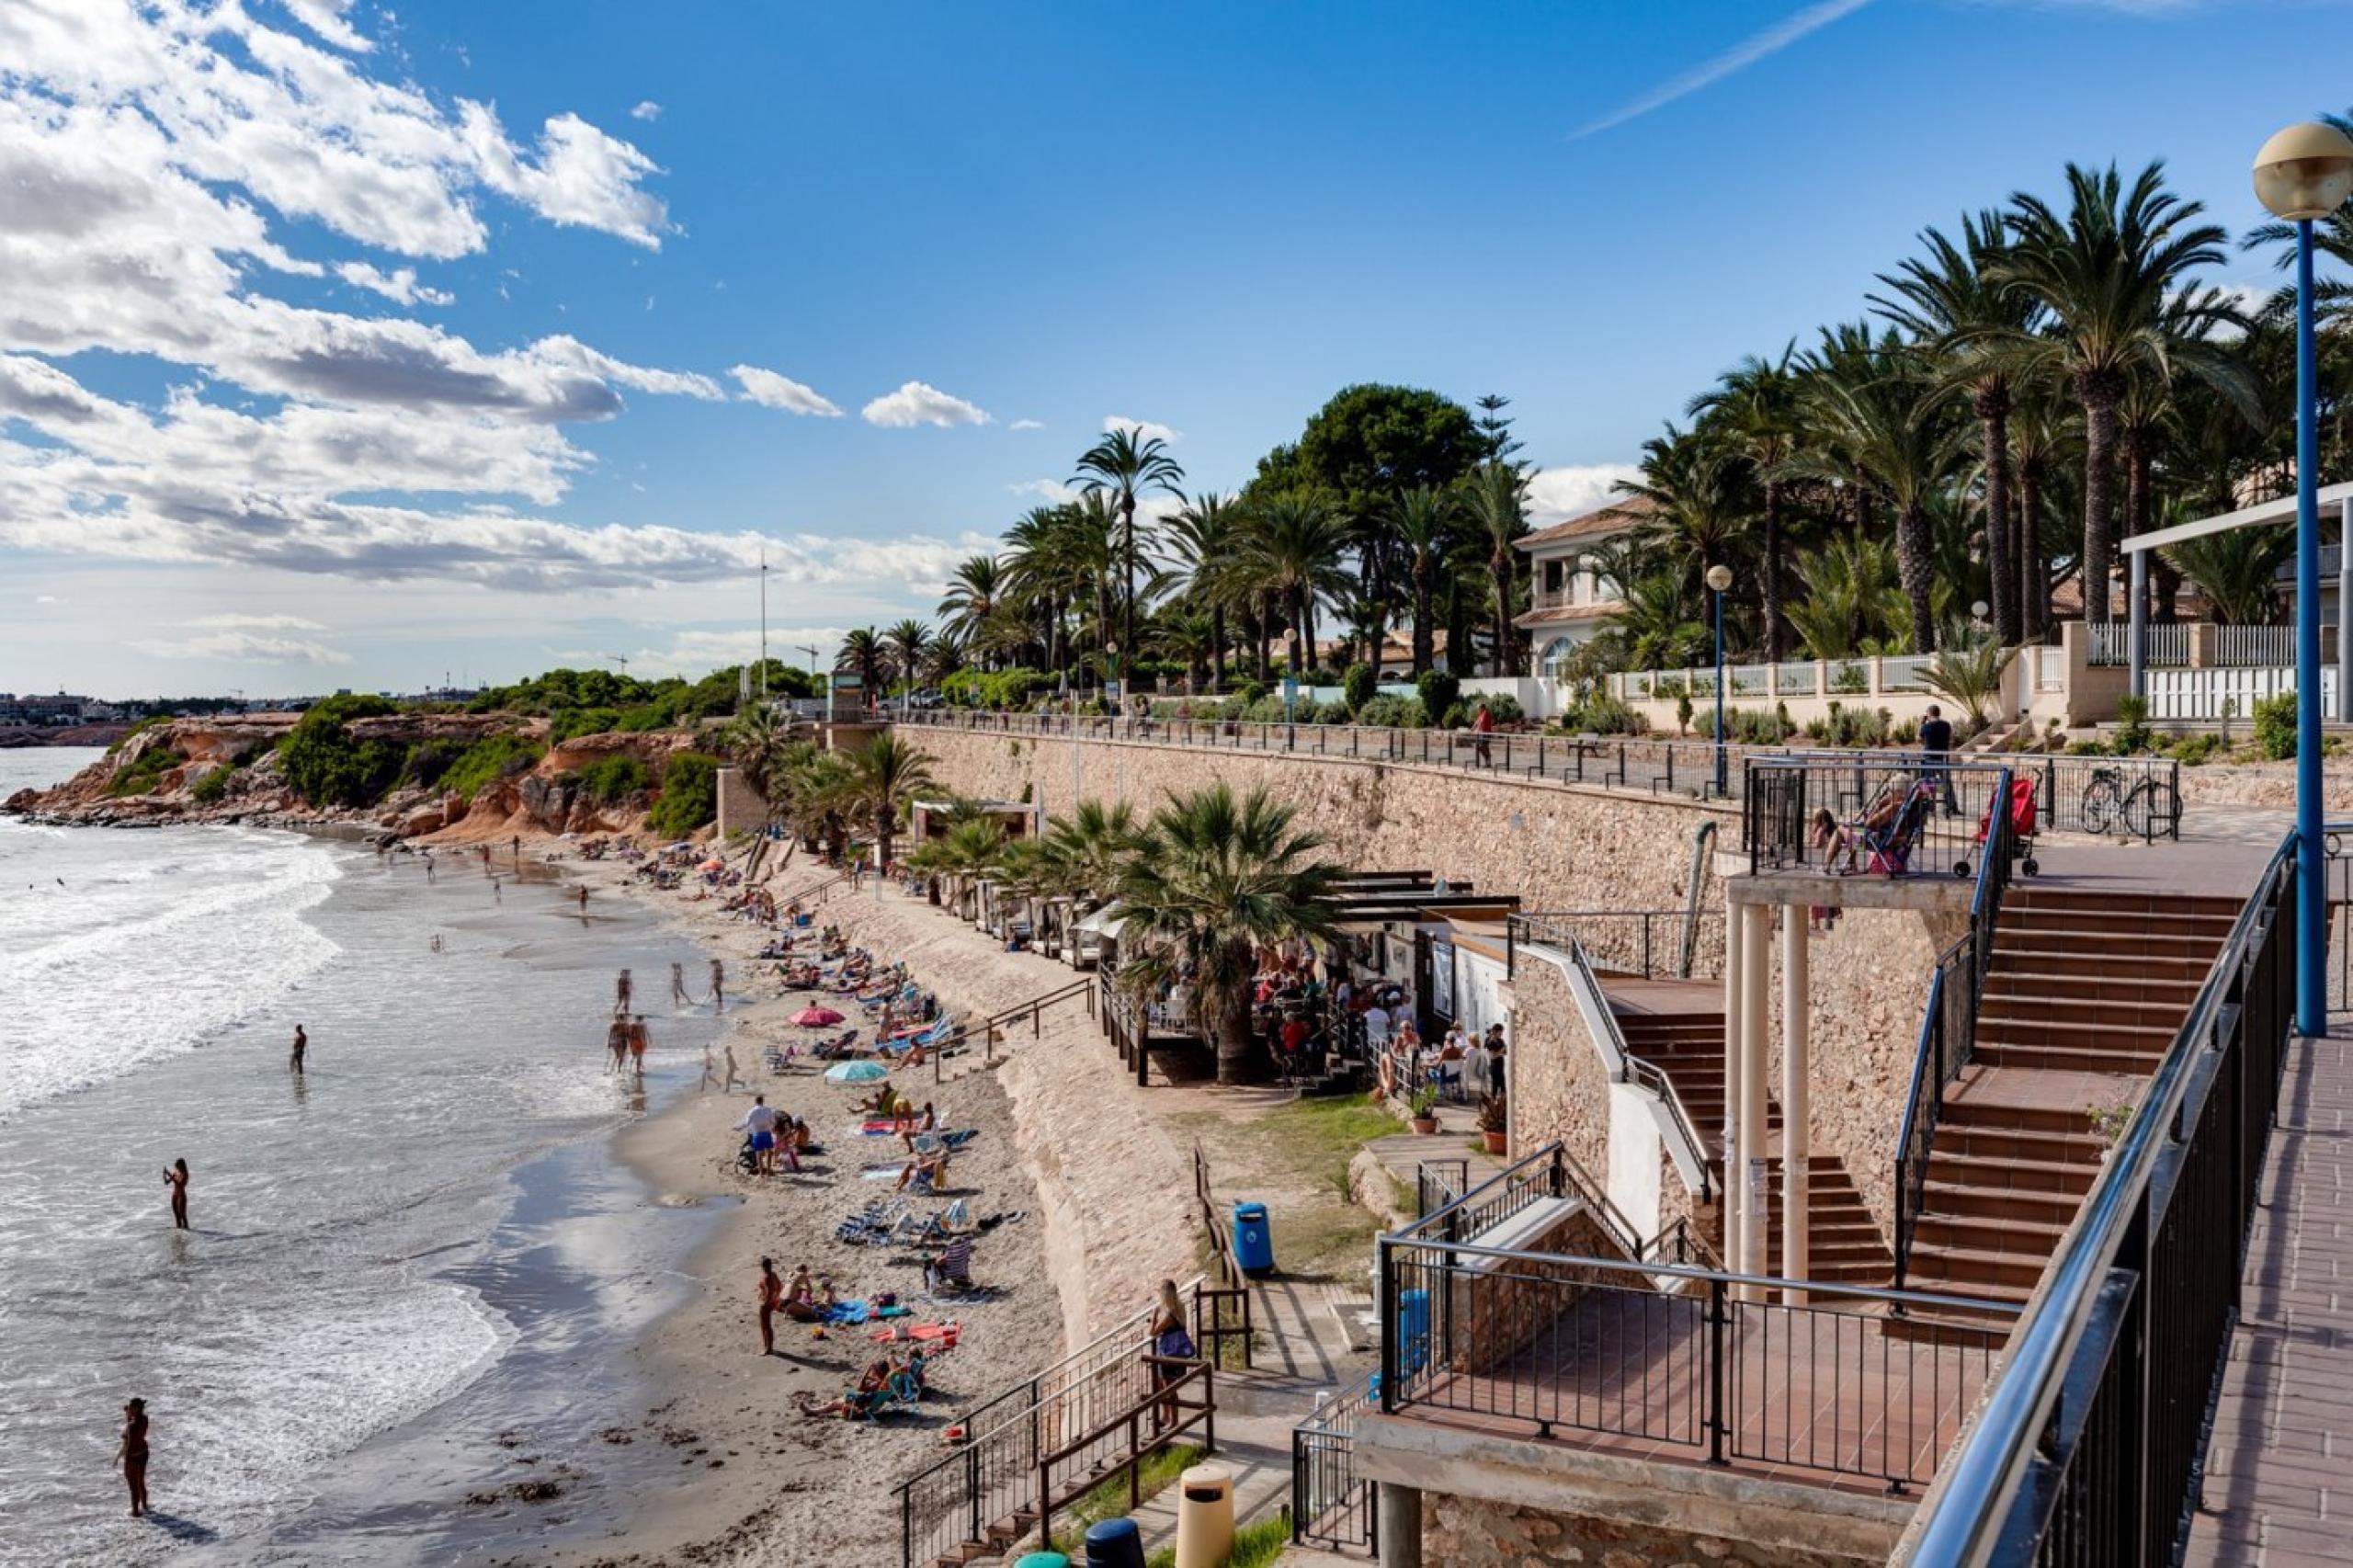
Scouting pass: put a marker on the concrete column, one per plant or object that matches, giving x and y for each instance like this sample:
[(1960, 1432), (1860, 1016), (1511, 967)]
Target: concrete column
[(1733, 1196), (1756, 972), (2136, 645), (1797, 1142), (1401, 1525), (2344, 605)]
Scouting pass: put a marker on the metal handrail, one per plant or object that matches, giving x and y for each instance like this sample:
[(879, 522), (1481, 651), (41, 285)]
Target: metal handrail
[(1630, 1069), (1959, 1523)]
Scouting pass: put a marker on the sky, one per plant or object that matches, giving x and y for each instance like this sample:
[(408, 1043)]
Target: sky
[(350, 345)]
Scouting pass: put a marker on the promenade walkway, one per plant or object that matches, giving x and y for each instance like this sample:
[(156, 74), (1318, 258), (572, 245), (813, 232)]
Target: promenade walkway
[(2274, 1496)]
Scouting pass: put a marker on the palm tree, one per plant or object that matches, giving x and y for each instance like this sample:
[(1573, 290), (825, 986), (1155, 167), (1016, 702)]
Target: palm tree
[(1037, 577), (1754, 408), (1700, 516), (1201, 536), (1855, 597), (1968, 670), (2105, 272), (2238, 571), (1184, 633), (1872, 418), (1211, 882), (1087, 849), (1661, 619), (1954, 301), (883, 780), (975, 595), (759, 743), (864, 653), (1291, 551), (1423, 520), (908, 642), (1494, 509), (1121, 465)]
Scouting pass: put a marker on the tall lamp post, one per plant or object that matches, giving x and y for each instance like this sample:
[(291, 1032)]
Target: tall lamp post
[(2306, 172), (1719, 579)]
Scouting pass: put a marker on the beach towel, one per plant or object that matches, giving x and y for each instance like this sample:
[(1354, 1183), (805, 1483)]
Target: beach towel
[(850, 1312)]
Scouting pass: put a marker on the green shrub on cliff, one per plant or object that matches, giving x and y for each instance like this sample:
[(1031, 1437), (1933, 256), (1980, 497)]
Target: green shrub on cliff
[(690, 795), (149, 722), (143, 775), (570, 723), (489, 759), (325, 766), (611, 780), (212, 787)]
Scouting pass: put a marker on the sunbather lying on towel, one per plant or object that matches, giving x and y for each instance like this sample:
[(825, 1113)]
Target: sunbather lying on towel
[(873, 1387)]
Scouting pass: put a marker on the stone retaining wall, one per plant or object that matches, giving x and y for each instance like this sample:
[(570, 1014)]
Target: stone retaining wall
[(1468, 1532)]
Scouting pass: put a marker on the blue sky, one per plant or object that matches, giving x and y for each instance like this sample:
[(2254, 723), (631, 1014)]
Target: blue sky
[(1207, 217)]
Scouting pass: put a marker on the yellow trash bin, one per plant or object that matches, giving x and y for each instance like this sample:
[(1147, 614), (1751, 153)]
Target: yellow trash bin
[(1204, 1517)]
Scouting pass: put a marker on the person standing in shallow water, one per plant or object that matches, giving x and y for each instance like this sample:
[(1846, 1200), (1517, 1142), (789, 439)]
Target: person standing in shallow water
[(133, 1455), (718, 983), (622, 989), (301, 1044), (584, 903), (679, 984), (176, 1180)]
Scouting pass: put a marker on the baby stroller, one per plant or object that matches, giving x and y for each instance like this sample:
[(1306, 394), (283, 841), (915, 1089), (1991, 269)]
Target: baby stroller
[(2025, 818), (1890, 847)]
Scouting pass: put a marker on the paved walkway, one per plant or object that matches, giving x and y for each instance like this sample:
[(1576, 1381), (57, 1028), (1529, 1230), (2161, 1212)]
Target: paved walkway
[(2274, 1495)]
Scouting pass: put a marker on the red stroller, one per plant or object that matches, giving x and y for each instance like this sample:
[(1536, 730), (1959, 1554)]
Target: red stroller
[(2026, 816)]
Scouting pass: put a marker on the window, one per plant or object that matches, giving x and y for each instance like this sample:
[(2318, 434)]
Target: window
[(1556, 655)]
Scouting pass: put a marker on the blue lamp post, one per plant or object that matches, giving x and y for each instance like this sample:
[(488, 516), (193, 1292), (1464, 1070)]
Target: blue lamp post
[(2306, 172), (1719, 579)]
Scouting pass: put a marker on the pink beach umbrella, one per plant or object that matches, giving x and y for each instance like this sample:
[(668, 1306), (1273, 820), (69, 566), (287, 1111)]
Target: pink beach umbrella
[(815, 1017)]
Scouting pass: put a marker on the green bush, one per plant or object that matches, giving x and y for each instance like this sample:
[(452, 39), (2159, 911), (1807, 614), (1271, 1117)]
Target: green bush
[(145, 774), (489, 759), (1748, 727), (2131, 725), (690, 795), (1847, 726), (1439, 690), (2087, 748), (1602, 714), (212, 787), (1851, 680), (1360, 686), (1249, 691), (612, 780), (1392, 713), (2191, 750), (1903, 734), (573, 723), (2275, 726), (346, 706), (325, 766)]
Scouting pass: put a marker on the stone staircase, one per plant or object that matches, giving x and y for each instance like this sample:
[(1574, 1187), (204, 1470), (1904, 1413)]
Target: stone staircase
[(2083, 996)]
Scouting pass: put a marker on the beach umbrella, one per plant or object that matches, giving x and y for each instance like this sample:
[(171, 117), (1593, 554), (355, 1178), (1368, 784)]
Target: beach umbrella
[(813, 1016), (856, 1072)]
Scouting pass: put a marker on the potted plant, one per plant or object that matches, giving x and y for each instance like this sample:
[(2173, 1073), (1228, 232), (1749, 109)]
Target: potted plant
[(1424, 1109), (1494, 1124)]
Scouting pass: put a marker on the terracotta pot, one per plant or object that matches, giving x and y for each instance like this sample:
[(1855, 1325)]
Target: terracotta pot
[(1497, 1142), (1426, 1125)]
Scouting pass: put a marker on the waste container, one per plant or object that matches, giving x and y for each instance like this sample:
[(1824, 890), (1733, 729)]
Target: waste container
[(1043, 1560), (1204, 1517), (1413, 1330), (1253, 1244), (1114, 1543)]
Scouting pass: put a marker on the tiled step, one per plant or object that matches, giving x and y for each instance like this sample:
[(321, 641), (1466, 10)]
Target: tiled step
[(2071, 1059), (2154, 1009), (1966, 1199), (2092, 984), (2072, 1177), (2034, 1240), (1989, 1113), (2080, 1146), (1967, 1271), (2105, 942)]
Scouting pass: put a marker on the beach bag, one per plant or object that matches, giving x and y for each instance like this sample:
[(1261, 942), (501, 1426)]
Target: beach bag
[(1174, 1344)]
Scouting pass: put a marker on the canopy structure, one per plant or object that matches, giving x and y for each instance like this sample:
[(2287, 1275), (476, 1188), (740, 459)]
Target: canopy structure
[(1104, 922), (2137, 550)]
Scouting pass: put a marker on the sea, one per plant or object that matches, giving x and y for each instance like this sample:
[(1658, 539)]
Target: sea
[(416, 1270)]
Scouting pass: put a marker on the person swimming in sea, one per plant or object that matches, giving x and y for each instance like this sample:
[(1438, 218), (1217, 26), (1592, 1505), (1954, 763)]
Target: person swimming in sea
[(176, 1180), (133, 1455), (301, 1044)]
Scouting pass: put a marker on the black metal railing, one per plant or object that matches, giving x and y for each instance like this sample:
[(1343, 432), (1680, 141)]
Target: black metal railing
[(1331, 1505), (1648, 944), (2086, 1447), (1438, 1183), (1949, 1026), (1673, 1355)]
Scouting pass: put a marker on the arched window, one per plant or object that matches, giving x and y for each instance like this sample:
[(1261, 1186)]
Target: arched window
[(1556, 655)]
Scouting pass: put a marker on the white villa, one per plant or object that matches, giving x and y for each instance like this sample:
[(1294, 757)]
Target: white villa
[(1567, 604)]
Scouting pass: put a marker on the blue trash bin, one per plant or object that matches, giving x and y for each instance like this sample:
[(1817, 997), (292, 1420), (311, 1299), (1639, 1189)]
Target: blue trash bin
[(1413, 1330), (1253, 1244), (1114, 1543)]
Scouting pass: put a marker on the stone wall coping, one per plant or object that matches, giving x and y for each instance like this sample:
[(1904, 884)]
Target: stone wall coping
[(1923, 890), (1516, 1231)]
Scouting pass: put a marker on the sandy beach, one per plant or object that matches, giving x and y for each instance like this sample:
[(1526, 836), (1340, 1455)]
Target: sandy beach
[(755, 1482)]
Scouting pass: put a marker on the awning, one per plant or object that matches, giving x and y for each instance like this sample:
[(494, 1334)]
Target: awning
[(1104, 922)]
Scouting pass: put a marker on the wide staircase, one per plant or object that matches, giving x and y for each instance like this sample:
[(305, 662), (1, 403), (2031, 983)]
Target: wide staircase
[(2083, 992), (1843, 1241)]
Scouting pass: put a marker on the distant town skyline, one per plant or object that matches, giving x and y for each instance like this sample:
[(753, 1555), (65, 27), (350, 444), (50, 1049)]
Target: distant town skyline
[(348, 347)]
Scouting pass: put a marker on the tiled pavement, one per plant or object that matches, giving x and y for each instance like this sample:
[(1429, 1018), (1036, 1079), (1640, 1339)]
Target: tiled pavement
[(2279, 1485)]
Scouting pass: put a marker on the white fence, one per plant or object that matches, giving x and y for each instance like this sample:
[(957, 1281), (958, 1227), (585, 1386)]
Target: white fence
[(2201, 695), (2264, 645), (2050, 669), (2166, 645)]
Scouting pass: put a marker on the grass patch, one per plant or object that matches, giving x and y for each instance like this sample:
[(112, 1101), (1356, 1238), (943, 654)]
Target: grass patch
[(1255, 1545), (1154, 1474), (1325, 1132)]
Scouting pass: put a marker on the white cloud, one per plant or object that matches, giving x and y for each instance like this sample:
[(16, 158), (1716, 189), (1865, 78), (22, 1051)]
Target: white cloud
[(1027, 424), (571, 351), (770, 389), (646, 109), (917, 404), (245, 647), (235, 620), (1738, 57), (1053, 492), (326, 18), (696, 653), (1556, 495), (400, 285), (47, 600), (1145, 430)]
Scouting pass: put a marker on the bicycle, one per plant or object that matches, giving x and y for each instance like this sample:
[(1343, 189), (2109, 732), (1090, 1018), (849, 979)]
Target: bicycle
[(2150, 808)]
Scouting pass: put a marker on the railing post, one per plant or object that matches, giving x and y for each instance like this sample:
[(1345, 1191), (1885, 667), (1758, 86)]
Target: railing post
[(1716, 1425), (973, 1489), (1388, 1319)]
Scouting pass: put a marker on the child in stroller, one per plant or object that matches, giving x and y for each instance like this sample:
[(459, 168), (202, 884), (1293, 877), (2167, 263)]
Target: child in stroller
[(1893, 825)]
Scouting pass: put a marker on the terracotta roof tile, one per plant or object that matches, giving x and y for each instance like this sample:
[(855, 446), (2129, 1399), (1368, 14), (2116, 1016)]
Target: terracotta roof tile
[(1613, 517)]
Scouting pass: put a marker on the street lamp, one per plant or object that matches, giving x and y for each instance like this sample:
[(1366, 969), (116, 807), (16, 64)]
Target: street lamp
[(2306, 172), (1719, 579)]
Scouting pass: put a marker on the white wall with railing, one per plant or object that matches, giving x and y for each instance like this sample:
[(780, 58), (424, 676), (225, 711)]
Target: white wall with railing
[(2187, 696)]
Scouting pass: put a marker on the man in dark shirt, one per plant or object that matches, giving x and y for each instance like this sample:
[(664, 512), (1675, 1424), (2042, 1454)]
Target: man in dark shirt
[(1936, 749)]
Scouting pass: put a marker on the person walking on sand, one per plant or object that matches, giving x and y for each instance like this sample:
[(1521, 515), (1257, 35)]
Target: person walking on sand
[(771, 1298), (617, 1041), (732, 1078), (301, 1044), (176, 1180), (637, 1044), (718, 984), (133, 1455), (710, 1070), (622, 989)]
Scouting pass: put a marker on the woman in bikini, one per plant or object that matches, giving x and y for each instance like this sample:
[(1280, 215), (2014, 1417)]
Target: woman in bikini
[(800, 1298), (176, 1180), (133, 1455)]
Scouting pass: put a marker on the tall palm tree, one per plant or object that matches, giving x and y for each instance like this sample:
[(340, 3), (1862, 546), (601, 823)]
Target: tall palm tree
[(1212, 880), (1854, 601), (1121, 465), (1183, 631), (1954, 301), (759, 743), (1201, 536), (1754, 406), (864, 653), (2105, 271), (1291, 550), (1422, 521), (1874, 421), (883, 781), (1701, 515), (1037, 578), (908, 641), (1495, 510), (974, 593)]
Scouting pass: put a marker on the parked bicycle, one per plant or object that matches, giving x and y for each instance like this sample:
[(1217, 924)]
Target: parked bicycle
[(2150, 808)]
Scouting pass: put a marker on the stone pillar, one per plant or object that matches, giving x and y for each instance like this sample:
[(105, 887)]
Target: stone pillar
[(2204, 647), (1755, 973), (1797, 1140), (1733, 1197), (1401, 1525)]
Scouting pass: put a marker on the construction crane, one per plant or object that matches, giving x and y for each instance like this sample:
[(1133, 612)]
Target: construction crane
[(617, 659)]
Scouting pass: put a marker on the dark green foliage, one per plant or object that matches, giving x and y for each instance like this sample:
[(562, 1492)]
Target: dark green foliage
[(1439, 690), (612, 780), (1249, 691), (1360, 686), (569, 723), (1375, 440), (346, 706), (211, 788), (690, 795), (145, 774), (327, 767), (1602, 714), (2131, 725), (624, 703), (487, 760), (999, 689), (1392, 713), (1849, 727), (1746, 726), (2275, 726)]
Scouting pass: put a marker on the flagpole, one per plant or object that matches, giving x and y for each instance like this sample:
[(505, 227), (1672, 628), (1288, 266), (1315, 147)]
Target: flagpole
[(764, 623)]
